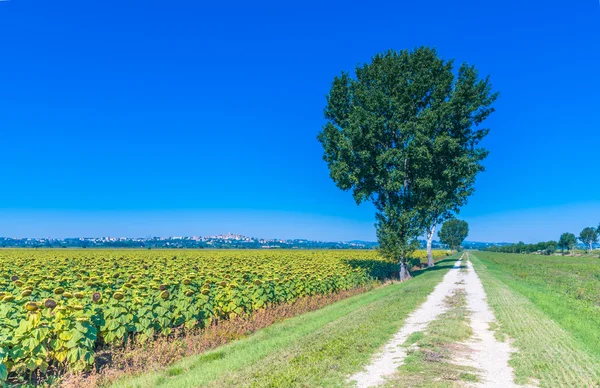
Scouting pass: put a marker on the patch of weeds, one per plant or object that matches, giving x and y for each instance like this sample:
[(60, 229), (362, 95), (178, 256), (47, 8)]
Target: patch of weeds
[(208, 357), (498, 334), (174, 371), (429, 358), (469, 377), (414, 338)]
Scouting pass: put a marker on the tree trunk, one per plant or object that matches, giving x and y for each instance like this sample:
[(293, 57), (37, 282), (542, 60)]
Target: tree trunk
[(591, 249), (404, 274), (430, 234)]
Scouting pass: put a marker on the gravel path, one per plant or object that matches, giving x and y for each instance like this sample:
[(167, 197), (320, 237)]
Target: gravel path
[(487, 354), (393, 354)]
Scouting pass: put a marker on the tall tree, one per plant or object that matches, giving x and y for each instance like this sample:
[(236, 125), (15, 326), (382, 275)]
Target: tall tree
[(401, 134), (454, 153), (589, 236), (453, 233), (567, 241)]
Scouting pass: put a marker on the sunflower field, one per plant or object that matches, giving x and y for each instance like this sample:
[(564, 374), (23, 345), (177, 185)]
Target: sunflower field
[(58, 306)]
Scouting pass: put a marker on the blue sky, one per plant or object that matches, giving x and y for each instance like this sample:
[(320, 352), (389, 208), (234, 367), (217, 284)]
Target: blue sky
[(178, 118)]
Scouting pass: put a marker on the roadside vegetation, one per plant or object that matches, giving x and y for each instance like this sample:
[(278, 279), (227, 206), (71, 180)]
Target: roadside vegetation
[(321, 348), (549, 307), (59, 311), (567, 244)]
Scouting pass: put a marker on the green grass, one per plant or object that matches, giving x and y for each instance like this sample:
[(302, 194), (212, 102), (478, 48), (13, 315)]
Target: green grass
[(429, 359), (321, 348), (567, 289), (554, 328)]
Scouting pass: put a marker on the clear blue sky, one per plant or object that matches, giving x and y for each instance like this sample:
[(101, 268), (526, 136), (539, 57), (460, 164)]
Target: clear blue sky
[(178, 118)]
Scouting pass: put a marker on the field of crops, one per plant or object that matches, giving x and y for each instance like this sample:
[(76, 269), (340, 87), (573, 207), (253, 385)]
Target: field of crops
[(57, 307)]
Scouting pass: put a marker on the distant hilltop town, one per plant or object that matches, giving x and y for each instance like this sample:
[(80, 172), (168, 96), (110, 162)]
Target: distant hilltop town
[(220, 241)]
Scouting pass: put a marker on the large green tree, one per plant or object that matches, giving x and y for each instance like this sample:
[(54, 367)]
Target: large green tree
[(567, 241), (453, 233), (453, 151), (589, 236), (402, 134)]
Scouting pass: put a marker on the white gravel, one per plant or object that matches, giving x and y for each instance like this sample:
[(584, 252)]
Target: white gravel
[(392, 355), (488, 355)]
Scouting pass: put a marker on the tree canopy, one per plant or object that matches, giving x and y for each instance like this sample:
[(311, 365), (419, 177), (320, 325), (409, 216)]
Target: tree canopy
[(543, 247), (453, 233), (589, 236), (567, 241), (404, 134)]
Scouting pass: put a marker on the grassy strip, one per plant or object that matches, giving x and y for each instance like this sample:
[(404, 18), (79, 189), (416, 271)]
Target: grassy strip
[(548, 354), (320, 348), (565, 288), (428, 362)]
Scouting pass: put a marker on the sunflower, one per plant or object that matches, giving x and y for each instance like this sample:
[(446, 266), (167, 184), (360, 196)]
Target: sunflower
[(96, 297), (50, 303)]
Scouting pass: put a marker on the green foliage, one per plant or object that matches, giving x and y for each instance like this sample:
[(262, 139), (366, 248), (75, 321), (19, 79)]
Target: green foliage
[(404, 133), (544, 247), (319, 349), (588, 236), (453, 233), (567, 241), (56, 309), (393, 231)]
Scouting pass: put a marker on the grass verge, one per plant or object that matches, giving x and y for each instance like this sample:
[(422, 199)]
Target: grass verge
[(320, 348), (565, 288), (550, 354), (429, 358)]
